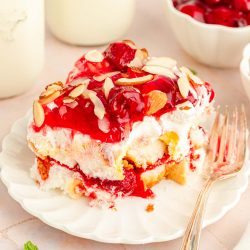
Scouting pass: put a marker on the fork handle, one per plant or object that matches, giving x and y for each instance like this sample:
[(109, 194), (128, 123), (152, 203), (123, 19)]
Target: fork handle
[(192, 234)]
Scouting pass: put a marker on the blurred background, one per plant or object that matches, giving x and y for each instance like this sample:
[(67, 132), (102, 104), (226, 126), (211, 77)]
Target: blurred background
[(148, 26)]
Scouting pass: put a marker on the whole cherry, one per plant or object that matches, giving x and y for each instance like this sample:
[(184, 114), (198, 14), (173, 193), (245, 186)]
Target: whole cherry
[(194, 11), (126, 104), (223, 16), (242, 5), (119, 54), (213, 2)]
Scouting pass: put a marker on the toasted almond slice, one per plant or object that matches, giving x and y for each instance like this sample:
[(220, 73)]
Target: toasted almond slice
[(94, 56), (38, 114), (165, 62), (55, 86), (145, 53), (195, 79), (157, 100), (78, 81), (160, 71), (107, 86), (184, 86), (68, 99), (48, 92), (49, 98), (77, 91), (130, 43), (102, 77), (99, 108), (134, 81)]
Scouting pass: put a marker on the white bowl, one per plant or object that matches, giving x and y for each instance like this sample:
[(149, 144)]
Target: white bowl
[(245, 69), (213, 45)]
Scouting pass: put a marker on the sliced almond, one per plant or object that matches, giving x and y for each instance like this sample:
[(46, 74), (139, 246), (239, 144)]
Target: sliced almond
[(94, 56), (136, 70), (165, 62), (140, 56), (38, 114), (130, 43), (77, 91), (184, 86), (99, 108), (49, 98), (55, 86), (102, 77), (145, 53), (47, 92), (159, 71), (157, 100), (134, 81), (107, 86), (78, 81), (68, 99), (195, 79)]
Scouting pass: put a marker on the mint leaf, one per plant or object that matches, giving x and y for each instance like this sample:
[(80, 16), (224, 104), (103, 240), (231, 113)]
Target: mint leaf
[(30, 246), (193, 71)]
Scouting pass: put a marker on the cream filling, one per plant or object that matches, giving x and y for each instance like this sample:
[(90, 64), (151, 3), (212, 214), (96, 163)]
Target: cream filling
[(104, 160)]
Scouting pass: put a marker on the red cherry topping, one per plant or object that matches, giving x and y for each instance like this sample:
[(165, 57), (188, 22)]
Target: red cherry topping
[(126, 104), (119, 54), (121, 107)]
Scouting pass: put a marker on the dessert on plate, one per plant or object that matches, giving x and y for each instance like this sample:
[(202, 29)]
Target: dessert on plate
[(121, 123)]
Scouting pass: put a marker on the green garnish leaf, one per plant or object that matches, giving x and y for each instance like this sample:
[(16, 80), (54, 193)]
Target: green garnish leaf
[(193, 71), (30, 246)]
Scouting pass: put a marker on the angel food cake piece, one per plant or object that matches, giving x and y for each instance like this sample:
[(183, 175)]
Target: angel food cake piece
[(121, 123)]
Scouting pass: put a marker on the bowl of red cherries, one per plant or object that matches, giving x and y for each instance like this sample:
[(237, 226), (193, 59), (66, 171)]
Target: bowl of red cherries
[(214, 32)]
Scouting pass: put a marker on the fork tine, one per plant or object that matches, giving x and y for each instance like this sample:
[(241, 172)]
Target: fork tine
[(223, 137), (232, 136), (242, 137), (213, 141)]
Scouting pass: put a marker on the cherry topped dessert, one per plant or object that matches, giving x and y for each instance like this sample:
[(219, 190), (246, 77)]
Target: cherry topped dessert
[(230, 13), (121, 123)]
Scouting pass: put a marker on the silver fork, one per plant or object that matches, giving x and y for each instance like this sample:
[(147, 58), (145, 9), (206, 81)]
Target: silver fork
[(225, 158)]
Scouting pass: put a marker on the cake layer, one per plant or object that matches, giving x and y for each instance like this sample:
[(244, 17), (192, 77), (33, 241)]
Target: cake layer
[(50, 174), (148, 141)]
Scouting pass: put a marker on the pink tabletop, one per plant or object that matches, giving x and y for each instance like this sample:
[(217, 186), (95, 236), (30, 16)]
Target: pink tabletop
[(150, 29)]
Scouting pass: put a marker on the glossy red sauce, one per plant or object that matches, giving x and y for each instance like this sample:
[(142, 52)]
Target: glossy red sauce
[(124, 106), (231, 13)]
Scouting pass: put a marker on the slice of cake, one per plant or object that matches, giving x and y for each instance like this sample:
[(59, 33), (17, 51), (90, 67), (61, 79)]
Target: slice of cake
[(121, 123)]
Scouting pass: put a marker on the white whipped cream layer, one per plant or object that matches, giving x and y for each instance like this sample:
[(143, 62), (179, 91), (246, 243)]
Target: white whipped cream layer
[(104, 160)]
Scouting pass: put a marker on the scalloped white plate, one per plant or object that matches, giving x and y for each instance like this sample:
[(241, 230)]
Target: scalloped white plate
[(130, 223)]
